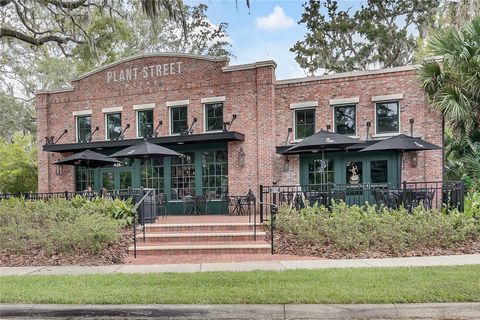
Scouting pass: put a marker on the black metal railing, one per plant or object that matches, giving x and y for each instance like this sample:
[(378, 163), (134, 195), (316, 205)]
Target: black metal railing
[(431, 195), (437, 195)]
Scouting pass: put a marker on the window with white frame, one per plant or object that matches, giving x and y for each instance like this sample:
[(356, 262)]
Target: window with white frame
[(304, 123), (113, 123), (144, 123), (84, 127), (213, 116), (178, 119), (345, 119), (387, 117)]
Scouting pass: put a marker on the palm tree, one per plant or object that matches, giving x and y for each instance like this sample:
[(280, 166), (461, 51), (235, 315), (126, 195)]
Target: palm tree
[(453, 87)]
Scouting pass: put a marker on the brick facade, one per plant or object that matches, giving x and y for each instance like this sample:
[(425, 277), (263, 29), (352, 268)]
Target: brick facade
[(261, 103)]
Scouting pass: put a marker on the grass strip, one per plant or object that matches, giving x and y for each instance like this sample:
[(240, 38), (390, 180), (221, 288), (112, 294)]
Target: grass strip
[(369, 285)]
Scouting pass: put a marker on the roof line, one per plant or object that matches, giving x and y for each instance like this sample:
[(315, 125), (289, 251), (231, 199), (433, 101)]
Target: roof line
[(349, 74), (147, 55), (254, 65)]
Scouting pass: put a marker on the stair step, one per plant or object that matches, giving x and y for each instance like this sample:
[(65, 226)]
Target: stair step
[(205, 227), (202, 249), (201, 236)]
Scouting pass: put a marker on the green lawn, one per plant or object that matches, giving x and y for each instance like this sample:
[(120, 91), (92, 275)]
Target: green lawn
[(375, 285)]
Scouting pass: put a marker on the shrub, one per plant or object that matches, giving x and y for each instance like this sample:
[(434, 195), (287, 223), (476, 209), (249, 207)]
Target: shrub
[(355, 229), (57, 225)]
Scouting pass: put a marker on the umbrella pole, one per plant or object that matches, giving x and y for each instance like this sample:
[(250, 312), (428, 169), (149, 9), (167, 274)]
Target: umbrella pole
[(323, 164)]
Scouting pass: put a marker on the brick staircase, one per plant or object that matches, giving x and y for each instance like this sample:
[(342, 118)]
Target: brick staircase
[(201, 238)]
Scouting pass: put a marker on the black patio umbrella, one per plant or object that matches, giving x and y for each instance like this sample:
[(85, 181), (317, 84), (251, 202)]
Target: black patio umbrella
[(145, 150), (321, 141), (87, 158), (402, 143)]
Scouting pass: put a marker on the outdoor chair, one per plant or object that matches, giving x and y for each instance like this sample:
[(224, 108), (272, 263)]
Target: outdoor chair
[(161, 203), (427, 202), (188, 202), (225, 203), (200, 202), (379, 197)]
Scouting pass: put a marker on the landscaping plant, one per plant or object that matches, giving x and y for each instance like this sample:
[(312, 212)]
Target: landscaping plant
[(348, 231), (63, 229)]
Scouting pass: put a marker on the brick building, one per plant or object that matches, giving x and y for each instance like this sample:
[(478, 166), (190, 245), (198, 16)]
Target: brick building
[(232, 123)]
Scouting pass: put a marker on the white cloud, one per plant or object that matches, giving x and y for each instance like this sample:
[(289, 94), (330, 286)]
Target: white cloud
[(274, 21)]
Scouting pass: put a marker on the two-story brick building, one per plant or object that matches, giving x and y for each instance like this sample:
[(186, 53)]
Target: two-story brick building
[(231, 122)]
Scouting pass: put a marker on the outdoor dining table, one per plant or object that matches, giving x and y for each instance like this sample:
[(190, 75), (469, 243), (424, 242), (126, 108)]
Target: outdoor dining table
[(409, 198)]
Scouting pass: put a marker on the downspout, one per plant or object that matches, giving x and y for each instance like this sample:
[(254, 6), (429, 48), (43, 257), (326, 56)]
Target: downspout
[(256, 125)]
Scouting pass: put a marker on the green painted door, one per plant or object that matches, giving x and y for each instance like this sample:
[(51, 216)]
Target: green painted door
[(352, 172), (116, 178)]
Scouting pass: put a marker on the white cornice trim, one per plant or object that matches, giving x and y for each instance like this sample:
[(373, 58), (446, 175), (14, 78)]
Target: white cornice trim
[(336, 102), (304, 104), (146, 106), (54, 90), (178, 103), (397, 96), (212, 99), (112, 110), (266, 63), (82, 113), (349, 74)]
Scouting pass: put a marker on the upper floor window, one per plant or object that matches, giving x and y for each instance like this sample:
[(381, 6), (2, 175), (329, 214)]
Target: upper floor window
[(84, 128), (304, 123), (113, 125), (345, 119), (144, 123), (213, 116), (178, 119), (388, 117)]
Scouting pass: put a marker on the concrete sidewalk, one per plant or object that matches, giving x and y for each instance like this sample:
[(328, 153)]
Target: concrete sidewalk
[(329, 311), (454, 260)]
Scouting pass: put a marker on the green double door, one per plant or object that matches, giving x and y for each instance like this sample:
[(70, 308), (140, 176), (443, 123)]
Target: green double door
[(116, 178), (352, 172)]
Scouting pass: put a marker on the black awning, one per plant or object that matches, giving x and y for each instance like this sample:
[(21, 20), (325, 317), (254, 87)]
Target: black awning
[(166, 140)]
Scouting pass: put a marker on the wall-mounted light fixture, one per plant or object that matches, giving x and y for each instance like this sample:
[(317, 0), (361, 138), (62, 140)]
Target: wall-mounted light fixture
[(329, 127), (286, 165), (58, 169), (412, 121), (414, 159), (241, 157)]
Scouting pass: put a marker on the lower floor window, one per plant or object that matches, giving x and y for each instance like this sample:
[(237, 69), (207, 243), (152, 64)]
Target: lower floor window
[(354, 172), (214, 173), (320, 171), (84, 178), (379, 171), (183, 176), (152, 174)]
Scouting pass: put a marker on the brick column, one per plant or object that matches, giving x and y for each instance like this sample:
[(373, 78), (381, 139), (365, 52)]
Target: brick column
[(42, 132)]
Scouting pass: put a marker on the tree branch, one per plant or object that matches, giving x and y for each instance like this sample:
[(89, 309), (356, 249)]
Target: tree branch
[(6, 32)]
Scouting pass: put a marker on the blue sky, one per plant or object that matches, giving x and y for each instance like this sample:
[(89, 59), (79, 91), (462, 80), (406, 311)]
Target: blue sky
[(265, 32)]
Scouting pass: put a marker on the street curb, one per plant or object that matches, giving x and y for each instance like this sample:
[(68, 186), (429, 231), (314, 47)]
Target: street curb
[(277, 311)]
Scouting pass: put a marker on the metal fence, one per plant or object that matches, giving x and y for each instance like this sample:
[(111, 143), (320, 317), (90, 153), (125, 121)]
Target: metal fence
[(431, 195)]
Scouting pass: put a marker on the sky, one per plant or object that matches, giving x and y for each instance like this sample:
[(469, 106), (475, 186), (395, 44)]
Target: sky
[(266, 31)]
